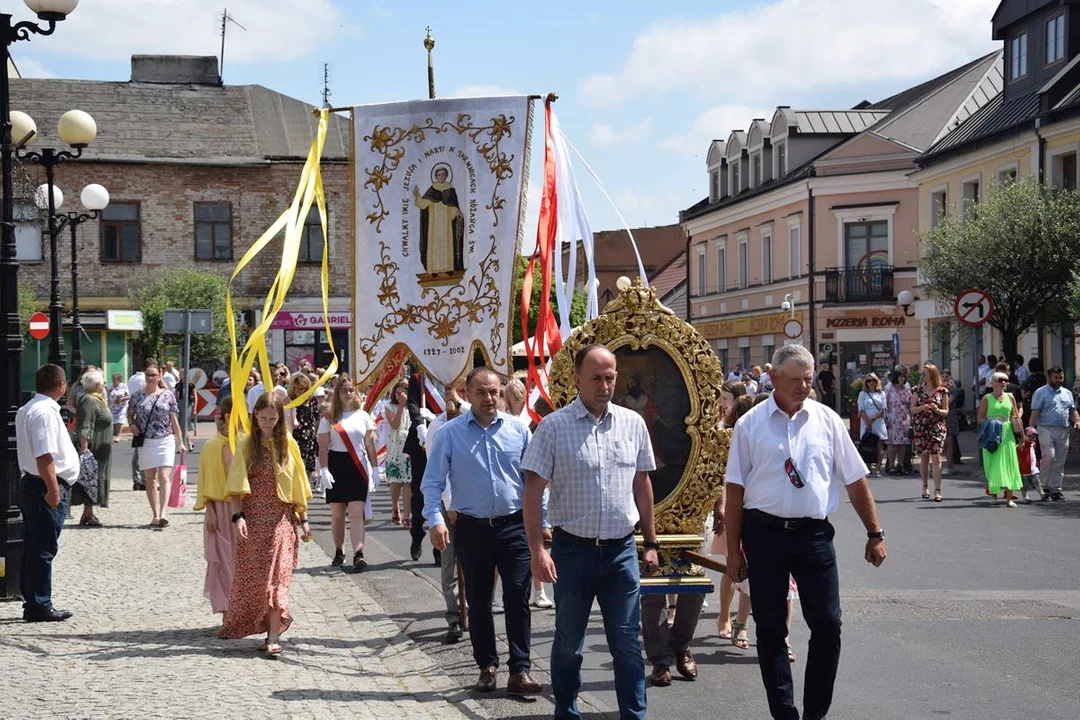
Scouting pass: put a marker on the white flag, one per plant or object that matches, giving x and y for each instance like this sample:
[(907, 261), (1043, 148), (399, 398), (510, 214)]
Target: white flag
[(439, 207)]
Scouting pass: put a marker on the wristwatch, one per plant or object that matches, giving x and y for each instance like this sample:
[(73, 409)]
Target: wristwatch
[(650, 545), (880, 534), (237, 516)]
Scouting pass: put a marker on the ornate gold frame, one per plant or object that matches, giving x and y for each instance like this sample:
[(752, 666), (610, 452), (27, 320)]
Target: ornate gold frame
[(637, 319)]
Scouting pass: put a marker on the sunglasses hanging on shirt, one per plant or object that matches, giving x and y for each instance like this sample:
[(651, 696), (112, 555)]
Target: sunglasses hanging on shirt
[(793, 473)]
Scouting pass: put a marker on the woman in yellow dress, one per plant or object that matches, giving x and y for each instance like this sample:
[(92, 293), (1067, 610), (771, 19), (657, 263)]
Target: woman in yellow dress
[(212, 495), (442, 227)]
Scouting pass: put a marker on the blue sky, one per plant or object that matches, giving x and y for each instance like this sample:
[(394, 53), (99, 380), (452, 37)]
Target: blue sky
[(643, 86)]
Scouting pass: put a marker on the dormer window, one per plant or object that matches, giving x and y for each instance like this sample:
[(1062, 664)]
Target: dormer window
[(736, 183), (755, 177), (781, 159), (1055, 39), (1018, 57), (714, 185)]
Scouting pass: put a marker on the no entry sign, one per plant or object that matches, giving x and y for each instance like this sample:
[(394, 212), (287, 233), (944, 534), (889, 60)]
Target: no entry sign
[(39, 326), (973, 307)]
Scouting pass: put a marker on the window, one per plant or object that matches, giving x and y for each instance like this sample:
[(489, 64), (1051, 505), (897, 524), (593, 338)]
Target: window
[(1006, 175), (1018, 57), (723, 359), (766, 256), (1063, 170), (701, 270), (970, 190), (213, 231), (767, 351), (721, 266), (120, 232), (736, 185), (311, 237), (714, 185), (866, 243), (745, 358), (781, 159), (938, 203), (755, 178), (743, 267), (1055, 39), (28, 233), (795, 250)]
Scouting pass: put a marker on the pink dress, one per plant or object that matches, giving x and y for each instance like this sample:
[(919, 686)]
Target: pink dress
[(898, 413), (220, 550), (265, 561)]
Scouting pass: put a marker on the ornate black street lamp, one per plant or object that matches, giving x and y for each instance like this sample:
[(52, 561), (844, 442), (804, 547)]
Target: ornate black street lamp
[(51, 12), (95, 198), (78, 130)]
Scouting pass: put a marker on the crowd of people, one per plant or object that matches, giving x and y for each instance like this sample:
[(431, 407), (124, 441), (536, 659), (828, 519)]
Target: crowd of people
[(517, 504)]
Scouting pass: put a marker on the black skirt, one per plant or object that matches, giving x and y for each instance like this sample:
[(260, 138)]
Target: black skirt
[(349, 484)]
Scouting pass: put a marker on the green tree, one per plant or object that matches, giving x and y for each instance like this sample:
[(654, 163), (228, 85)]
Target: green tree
[(184, 289), (1021, 244), (27, 307), (577, 304)]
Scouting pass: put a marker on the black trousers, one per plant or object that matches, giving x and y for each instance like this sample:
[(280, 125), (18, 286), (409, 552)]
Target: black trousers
[(418, 461), (41, 531), (807, 554), (481, 549)]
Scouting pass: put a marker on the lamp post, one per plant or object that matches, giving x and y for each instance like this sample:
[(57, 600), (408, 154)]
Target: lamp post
[(78, 130), (95, 198), (51, 12)]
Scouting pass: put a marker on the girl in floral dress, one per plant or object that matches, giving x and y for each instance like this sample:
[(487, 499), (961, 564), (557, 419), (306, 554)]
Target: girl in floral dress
[(929, 406), (268, 491), (398, 466), (305, 422), (897, 420)]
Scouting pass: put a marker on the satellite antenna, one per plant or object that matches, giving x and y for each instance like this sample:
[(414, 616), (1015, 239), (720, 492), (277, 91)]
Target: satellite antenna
[(326, 84), (226, 18)]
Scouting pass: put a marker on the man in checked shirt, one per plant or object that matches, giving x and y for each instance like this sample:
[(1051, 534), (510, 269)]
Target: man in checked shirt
[(597, 457)]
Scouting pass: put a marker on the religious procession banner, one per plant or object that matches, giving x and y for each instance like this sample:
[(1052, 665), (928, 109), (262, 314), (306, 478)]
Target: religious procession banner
[(440, 188)]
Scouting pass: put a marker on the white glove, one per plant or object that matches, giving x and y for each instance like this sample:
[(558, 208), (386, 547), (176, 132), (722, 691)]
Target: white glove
[(376, 477), (326, 480), (427, 414), (421, 435)]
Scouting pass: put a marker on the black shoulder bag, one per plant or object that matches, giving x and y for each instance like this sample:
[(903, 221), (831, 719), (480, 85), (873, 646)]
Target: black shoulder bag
[(138, 440)]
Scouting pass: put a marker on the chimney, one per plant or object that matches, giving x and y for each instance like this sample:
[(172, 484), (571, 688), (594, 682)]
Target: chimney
[(175, 69)]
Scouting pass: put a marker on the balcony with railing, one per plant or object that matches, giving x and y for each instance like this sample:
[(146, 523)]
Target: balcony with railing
[(860, 285)]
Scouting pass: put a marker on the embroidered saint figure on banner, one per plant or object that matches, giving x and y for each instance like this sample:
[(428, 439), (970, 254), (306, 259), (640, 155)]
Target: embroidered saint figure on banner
[(442, 229)]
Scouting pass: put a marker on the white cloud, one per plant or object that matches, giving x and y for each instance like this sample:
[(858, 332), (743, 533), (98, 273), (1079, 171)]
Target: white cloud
[(603, 135), (275, 30), (483, 91), (713, 124), (797, 45), (30, 68)]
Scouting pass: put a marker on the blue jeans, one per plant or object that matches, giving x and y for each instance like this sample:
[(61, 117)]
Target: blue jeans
[(807, 554), (610, 575), (41, 531)]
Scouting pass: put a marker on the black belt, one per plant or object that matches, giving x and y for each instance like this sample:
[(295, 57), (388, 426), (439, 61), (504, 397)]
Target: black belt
[(787, 523), (60, 481), (595, 542), (493, 521)]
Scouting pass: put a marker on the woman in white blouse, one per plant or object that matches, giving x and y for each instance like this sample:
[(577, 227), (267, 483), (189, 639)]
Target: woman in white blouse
[(872, 405)]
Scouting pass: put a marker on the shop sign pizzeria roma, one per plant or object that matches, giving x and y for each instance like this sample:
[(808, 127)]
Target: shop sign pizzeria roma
[(873, 321)]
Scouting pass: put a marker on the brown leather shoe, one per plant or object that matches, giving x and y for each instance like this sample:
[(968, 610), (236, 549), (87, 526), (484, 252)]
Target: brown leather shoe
[(686, 665), (486, 683), (521, 684), (661, 676)]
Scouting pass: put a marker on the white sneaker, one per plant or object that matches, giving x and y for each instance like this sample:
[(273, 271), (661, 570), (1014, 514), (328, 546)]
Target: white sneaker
[(1010, 503), (542, 601), (497, 608)]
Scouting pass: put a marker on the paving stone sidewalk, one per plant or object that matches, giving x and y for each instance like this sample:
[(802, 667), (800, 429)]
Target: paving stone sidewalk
[(143, 642)]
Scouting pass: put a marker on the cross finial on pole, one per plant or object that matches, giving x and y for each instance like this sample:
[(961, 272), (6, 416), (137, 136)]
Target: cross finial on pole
[(429, 45)]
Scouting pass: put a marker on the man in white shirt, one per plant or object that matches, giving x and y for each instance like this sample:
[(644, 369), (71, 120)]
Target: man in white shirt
[(49, 464), (789, 457), (736, 373), (170, 377), (137, 384)]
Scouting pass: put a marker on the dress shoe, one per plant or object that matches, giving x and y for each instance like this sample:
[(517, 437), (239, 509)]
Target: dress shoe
[(686, 665), (454, 634), (661, 676), (53, 615), (414, 549), (521, 684), (486, 683)]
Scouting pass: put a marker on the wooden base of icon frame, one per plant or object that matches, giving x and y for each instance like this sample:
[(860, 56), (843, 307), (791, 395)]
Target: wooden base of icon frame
[(669, 374)]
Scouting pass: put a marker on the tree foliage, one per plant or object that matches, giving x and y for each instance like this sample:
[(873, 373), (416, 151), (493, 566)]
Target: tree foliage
[(184, 289), (27, 307), (577, 303), (1020, 244)]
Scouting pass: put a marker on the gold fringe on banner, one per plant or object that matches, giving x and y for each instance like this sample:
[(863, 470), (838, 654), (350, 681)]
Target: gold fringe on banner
[(292, 220)]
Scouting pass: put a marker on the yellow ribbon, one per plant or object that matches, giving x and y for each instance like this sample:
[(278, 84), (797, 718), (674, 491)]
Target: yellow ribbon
[(292, 220)]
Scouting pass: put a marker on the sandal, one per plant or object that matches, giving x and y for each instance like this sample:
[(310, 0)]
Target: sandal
[(406, 523), (937, 496), (738, 635), (397, 517), (790, 653), (925, 493), (273, 650), (90, 521), (721, 632)]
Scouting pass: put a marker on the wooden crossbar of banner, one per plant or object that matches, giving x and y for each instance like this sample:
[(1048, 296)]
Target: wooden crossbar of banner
[(550, 96)]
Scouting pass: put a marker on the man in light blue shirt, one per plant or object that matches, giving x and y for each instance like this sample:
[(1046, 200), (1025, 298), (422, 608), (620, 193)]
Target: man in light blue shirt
[(1053, 412), (479, 455)]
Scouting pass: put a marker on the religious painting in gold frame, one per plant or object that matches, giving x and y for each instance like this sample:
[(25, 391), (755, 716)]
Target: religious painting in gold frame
[(669, 373)]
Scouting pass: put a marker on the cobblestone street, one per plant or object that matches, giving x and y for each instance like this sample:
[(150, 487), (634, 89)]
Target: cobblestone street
[(143, 643)]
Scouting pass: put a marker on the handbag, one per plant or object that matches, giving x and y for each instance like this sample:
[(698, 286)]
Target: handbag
[(88, 475), (138, 440), (178, 494)]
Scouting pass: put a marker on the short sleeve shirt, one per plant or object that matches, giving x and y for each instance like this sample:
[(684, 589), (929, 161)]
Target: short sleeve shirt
[(39, 430), (1054, 406), (153, 413), (591, 464), (336, 444)]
